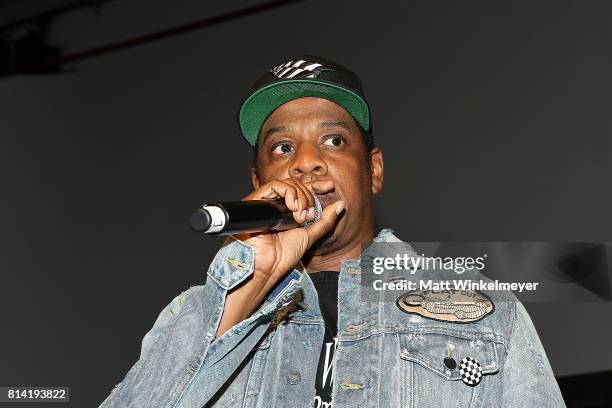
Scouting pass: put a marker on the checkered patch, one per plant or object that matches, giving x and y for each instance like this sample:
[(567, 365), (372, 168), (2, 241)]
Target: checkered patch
[(471, 371), (297, 69)]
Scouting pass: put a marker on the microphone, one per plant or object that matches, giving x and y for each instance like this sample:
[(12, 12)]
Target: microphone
[(234, 217)]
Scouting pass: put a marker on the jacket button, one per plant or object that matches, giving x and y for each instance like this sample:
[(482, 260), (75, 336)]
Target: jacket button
[(450, 363), (294, 377)]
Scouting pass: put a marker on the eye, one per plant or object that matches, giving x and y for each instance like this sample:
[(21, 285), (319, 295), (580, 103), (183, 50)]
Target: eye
[(282, 148), (333, 140)]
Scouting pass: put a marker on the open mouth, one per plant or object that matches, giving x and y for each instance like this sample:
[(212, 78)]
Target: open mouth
[(326, 199)]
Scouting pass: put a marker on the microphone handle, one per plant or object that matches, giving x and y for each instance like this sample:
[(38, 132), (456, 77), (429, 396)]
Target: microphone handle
[(233, 217), (256, 216)]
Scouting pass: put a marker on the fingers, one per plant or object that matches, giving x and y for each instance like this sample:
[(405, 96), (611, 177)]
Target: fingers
[(276, 189), (305, 198), (298, 197), (328, 219)]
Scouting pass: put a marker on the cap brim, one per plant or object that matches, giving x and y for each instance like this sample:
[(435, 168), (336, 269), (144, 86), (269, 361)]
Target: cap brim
[(261, 103)]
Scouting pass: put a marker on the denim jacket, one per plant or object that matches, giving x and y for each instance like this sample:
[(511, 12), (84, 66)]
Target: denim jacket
[(384, 357)]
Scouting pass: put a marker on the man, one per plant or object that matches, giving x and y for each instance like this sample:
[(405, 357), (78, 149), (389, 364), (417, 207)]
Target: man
[(281, 320)]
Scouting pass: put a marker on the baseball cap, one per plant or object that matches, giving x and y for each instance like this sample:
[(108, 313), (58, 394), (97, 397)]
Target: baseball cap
[(298, 77)]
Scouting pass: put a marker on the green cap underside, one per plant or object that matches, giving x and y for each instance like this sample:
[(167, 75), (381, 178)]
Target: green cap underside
[(256, 109)]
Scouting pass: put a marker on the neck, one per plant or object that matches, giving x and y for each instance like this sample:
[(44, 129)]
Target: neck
[(333, 261)]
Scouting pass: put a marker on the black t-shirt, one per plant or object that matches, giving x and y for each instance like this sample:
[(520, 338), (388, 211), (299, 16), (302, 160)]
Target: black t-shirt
[(326, 284)]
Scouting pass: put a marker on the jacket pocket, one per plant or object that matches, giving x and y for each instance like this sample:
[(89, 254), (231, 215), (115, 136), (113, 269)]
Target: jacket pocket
[(427, 380), (430, 350)]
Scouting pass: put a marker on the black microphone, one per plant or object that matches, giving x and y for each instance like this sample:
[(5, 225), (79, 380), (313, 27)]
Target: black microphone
[(234, 217)]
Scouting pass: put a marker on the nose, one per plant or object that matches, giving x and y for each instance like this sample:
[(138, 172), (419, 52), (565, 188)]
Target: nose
[(307, 160)]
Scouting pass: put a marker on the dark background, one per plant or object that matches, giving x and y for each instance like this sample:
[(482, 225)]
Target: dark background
[(494, 118)]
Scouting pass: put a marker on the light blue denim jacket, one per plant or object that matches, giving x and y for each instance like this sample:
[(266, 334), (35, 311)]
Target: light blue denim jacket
[(384, 356)]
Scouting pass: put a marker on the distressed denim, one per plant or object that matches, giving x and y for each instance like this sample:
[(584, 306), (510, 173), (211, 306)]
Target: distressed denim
[(384, 357)]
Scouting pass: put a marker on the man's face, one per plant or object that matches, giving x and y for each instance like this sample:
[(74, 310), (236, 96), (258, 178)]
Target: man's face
[(312, 139)]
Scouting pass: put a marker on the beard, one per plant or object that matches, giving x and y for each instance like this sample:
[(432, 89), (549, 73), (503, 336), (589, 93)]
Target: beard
[(327, 243), (324, 245)]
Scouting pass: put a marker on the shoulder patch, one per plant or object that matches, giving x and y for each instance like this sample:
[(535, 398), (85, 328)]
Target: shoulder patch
[(455, 306)]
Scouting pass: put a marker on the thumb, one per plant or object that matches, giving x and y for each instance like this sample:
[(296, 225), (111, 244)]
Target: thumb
[(327, 220)]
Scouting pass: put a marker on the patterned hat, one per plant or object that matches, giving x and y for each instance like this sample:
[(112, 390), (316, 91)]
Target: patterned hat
[(302, 76)]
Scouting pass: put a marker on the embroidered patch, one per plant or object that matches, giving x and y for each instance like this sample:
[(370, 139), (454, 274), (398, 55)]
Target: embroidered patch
[(297, 69), (455, 306)]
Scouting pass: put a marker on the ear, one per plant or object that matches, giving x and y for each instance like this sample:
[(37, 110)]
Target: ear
[(254, 178), (378, 171)]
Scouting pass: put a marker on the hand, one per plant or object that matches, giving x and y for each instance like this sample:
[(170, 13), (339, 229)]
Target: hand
[(277, 252)]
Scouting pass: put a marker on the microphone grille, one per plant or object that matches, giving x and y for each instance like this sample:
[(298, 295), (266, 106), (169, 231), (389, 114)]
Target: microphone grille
[(318, 210)]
